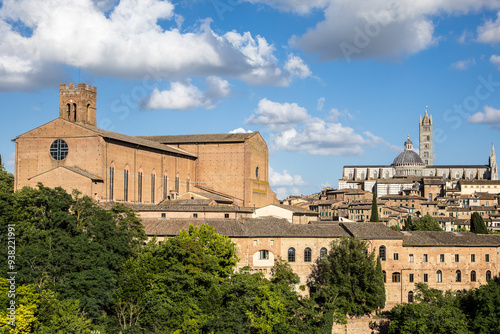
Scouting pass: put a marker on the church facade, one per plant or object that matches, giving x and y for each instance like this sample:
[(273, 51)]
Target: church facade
[(409, 169), (73, 153)]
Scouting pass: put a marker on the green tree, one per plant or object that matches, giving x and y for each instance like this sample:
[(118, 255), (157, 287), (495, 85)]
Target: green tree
[(482, 307), (374, 215), (408, 224), (347, 279), (433, 312), (426, 223), (477, 224)]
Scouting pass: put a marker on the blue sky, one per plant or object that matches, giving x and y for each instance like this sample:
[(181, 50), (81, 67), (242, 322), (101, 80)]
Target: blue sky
[(326, 82)]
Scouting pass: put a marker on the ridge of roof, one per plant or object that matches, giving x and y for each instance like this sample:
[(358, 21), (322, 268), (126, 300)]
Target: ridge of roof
[(200, 138)]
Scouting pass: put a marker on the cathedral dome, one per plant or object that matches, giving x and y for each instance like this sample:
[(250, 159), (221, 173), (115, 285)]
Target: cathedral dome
[(408, 157)]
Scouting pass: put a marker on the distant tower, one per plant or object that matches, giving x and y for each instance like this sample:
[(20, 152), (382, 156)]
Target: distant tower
[(78, 104), (425, 130), (493, 164)]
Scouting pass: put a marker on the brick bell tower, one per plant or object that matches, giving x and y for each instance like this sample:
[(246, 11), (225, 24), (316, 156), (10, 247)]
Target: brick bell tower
[(78, 104)]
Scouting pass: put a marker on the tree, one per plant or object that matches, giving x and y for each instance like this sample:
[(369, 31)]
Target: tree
[(348, 279), (426, 223), (482, 307), (374, 215), (433, 312), (408, 224), (477, 224)]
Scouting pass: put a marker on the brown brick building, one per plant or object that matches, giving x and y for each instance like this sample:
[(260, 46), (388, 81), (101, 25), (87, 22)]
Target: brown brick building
[(72, 153)]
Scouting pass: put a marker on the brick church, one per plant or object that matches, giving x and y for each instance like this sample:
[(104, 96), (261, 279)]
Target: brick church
[(73, 153)]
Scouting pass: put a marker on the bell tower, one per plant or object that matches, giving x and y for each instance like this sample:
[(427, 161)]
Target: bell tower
[(493, 164), (425, 139), (78, 104)]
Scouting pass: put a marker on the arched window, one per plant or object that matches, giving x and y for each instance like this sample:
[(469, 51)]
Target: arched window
[(74, 112), (488, 275), (263, 254), (471, 175), (125, 185), (153, 178), (165, 186), (69, 111), (256, 172), (177, 184), (291, 254), (323, 252), (473, 276), (439, 276), (139, 187), (111, 183), (385, 276), (363, 175), (307, 255), (458, 276), (382, 253), (410, 297), (396, 277)]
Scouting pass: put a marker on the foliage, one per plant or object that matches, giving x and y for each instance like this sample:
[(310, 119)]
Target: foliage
[(71, 246), (348, 279), (395, 228), (282, 273), (26, 302), (408, 223), (426, 223), (482, 307), (477, 224), (374, 215), (433, 312)]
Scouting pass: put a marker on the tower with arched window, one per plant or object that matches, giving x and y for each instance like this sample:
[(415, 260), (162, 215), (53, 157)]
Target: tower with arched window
[(78, 103)]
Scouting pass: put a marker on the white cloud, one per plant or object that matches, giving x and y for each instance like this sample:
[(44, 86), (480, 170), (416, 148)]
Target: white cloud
[(278, 116), (335, 114), (240, 130), (125, 40), (321, 104), (489, 32), (495, 60), (285, 179), (182, 96), (296, 66), (382, 29), (462, 65), (11, 160), (489, 116)]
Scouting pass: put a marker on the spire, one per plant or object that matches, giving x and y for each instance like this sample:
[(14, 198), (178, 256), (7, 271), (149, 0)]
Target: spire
[(493, 164)]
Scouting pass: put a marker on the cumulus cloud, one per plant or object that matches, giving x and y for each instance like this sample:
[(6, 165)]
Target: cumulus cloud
[(494, 59), (379, 28), (489, 116), (183, 96), (296, 66), (124, 39), (278, 116), (284, 179), (489, 32), (462, 65), (240, 130), (335, 114)]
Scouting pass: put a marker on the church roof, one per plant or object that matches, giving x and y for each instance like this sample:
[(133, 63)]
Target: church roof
[(201, 138), (408, 158)]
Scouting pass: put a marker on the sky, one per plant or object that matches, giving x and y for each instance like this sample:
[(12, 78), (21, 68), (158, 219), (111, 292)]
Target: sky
[(327, 83)]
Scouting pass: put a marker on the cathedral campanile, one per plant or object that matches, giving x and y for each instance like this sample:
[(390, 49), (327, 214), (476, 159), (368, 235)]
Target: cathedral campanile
[(425, 139), (78, 104)]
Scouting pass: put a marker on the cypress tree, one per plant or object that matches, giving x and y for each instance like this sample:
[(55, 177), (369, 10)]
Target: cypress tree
[(477, 224), (374, 215)]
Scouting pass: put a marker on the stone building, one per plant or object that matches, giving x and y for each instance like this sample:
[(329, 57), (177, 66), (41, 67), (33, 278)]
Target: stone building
[(73, 153), (409, 169)]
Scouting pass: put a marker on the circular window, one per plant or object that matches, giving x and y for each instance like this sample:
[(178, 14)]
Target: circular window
[(59, 149)]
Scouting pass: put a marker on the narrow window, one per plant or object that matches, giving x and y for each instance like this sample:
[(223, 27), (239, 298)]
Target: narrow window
[(473, 276), (439, 276), (74, 112), (441, 257), (177, 184), (226, 215), (457, 257), (396, 256), (163, 215), (426, 278), (411, 278), (264, 254), (410, 297), (381, 253), (291, 254), (152, 188), (426, 258), (195, 215), (322, 253), (125, 186), (487, 257), (385, 276), (111, 183), (473, 258), (411, 258), (307, 255), (139, 187), (396, 277), (187, 185), (488, 275), (458, 276), (165, 189)]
